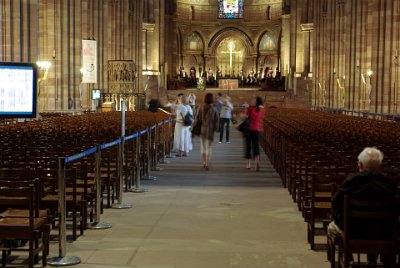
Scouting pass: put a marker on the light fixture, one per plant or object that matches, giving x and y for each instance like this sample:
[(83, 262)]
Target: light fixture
[(370, 73), (44, 65), (150, 72)]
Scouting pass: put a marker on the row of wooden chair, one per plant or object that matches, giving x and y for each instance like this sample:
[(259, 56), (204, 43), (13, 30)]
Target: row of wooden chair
[(30, 152), (313, 152), (22, 219)]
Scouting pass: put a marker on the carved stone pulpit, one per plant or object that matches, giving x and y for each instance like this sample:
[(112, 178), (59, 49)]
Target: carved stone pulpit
[(121, 83)]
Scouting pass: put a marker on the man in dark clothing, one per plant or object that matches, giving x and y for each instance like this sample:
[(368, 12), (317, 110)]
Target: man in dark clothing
[(369, 184), (154, 104), (366, 185)]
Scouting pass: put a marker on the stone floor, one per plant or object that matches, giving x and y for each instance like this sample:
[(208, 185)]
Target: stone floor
[(191, 218)]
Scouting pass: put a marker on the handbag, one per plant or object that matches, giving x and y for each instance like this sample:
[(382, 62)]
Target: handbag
[(244, 126), (196, 129)]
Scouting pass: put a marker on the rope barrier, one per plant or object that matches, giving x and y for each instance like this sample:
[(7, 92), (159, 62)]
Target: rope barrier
[(98, 224), (155, 151), (149, 160), (74, 157), (170, 155), (63, 259), (137, 188)]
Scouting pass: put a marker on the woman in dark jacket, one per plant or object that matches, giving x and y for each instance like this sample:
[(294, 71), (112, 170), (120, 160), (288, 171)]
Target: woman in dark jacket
[(209, 118)]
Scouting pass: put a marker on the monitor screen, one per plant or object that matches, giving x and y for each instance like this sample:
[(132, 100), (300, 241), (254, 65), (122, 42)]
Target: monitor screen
[(96, 94), (230, 9), (18, 90)]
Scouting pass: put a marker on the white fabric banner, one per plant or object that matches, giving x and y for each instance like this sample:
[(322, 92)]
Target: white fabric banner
[(89, 61)]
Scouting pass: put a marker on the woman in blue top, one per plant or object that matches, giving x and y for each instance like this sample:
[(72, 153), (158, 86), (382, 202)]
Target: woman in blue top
[(225, 116)]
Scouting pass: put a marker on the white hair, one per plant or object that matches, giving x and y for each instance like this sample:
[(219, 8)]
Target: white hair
[(371, 158)]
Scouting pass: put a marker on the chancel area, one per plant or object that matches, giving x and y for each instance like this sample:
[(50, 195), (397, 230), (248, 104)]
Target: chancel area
[(295, 161)]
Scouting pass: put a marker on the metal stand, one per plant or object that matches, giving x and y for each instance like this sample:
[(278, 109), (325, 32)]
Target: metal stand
[(137, 188), (147, 177), (97, 224), (62, 259), (120, 204), (170, 155), (164, 152), (155, 151)]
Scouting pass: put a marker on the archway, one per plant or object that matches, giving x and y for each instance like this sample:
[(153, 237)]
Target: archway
[(232, 53), (230, 57)]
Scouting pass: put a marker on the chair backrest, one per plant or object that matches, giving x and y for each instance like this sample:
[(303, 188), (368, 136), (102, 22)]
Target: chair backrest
[(370, 226), (20, 194)]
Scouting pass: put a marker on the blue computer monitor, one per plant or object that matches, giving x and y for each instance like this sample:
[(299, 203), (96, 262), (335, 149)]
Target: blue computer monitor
[(18, 97)]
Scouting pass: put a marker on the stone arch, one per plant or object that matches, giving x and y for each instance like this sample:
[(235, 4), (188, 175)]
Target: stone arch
[(231, 32), (246, 61), (200, 38), (268, 58), (276, 35)]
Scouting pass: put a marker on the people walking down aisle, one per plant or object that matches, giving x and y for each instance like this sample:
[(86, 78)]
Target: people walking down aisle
[(255, 114), (181, 143), (209, 118), (225, 116)]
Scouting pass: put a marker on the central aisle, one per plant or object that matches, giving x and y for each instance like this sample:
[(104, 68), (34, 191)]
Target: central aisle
[(192, 218)]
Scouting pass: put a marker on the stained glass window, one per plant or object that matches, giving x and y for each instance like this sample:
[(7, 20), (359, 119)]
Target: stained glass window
[(267, 43), (194, 42), (230, 9)]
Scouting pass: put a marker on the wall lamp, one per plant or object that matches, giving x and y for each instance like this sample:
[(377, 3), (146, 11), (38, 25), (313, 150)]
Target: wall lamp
[(45, 66)]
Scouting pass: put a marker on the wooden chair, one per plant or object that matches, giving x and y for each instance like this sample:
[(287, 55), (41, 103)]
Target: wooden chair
[(21, 212), (370, 227), (319, 212), (75, 203), (31, 228)]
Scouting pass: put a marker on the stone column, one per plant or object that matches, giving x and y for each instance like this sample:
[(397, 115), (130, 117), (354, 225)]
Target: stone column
[(285, 45)]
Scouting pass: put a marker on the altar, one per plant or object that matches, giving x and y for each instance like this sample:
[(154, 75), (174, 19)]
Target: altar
[(228, 83)]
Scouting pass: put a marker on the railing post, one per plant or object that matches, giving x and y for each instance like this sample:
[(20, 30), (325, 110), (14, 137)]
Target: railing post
[(149, 142), (97, 224), (62, 259), (155, 150), (137, 188), (164, 145), (120, 204), (170, 140)]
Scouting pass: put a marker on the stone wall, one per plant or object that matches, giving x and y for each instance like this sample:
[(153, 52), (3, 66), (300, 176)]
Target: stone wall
[(356, 48), (53, 30), (201, 17)]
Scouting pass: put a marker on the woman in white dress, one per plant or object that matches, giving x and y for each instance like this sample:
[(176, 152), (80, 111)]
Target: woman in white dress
[(180, 134), (188, 140)]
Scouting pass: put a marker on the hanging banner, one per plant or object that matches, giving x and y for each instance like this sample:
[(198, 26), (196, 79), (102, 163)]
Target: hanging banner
[(89, 61)]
